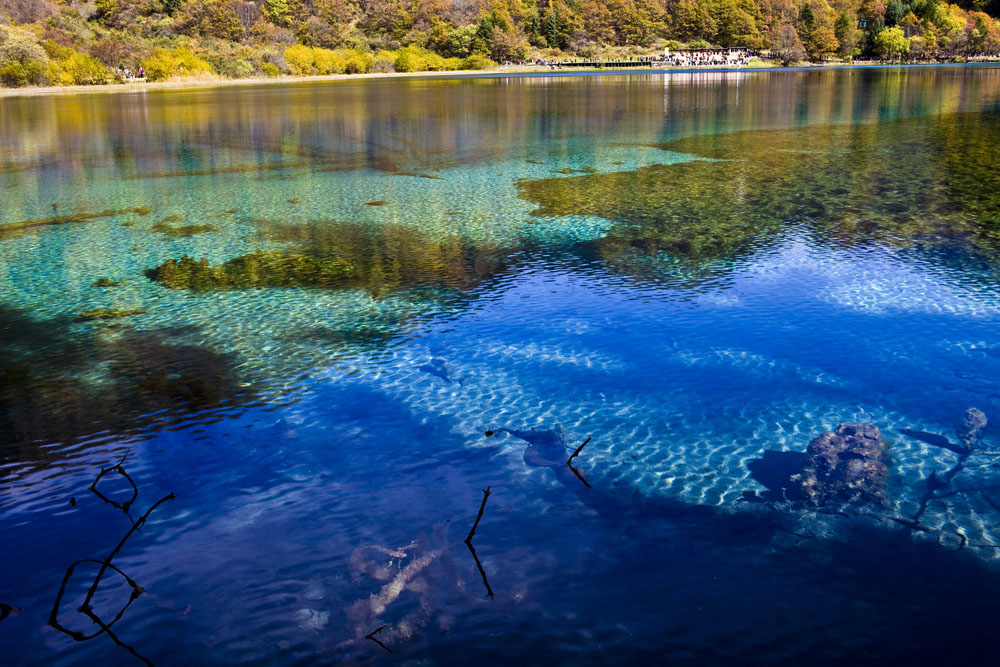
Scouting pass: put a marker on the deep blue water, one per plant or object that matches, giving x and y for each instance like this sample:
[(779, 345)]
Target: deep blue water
[(327, 443)]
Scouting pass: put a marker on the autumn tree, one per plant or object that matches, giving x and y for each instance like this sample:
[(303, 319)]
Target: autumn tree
[(891, 43), (787, 45), (737, 23), (846, 34), (690, 19)]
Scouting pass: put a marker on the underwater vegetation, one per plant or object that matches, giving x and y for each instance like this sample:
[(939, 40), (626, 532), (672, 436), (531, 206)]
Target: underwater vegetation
[(107, 314), (182, 231), (259, 269), (902, 183), (60, 382), (582, 170), (12, 229), (417, 174), (379, 259)]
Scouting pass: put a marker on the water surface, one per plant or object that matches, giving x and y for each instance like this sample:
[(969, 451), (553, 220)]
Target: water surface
[(301, 309)]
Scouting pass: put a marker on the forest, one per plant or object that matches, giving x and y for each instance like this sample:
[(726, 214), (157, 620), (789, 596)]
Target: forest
[(69, 42)]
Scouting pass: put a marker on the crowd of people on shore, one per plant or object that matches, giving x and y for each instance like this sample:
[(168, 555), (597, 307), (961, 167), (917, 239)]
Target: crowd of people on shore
[(970, 58), (702, 58), (712, 58)]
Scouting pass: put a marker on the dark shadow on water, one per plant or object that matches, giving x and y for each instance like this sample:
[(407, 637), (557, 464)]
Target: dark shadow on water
[(933, 439), (868, 597), (693, 584), (774, 471), (60, 381)]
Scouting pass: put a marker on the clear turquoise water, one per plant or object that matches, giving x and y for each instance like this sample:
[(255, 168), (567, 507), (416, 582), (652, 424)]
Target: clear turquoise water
[(836, 263)]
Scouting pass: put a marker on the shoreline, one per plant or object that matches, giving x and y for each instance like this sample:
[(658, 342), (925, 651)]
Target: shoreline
[(509, 71)]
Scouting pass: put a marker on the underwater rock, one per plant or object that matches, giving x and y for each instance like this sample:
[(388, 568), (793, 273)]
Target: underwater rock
[(439, 367), (969, 430), (847, 465)]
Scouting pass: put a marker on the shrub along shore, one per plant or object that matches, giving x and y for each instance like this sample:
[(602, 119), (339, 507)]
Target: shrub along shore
[(73, 43), (211, 81)]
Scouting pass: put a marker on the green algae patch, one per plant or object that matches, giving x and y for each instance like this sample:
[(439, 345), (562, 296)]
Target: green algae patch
[(107, 314), (219, 171), (390, 257), (898, 183), (256, 270), (379, 259), (417, 174), (182, 231), (106, 282), (11, 229), (565, 171)]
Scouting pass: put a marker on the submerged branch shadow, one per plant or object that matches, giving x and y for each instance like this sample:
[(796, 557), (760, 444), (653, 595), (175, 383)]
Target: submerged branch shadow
[(371, 636)]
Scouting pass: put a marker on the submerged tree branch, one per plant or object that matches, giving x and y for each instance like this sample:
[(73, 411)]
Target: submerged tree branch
[(371, 636), (482, 572), (578, 450), (482, 507)]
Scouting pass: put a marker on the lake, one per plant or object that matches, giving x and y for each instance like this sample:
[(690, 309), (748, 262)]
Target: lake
[(264, 348)]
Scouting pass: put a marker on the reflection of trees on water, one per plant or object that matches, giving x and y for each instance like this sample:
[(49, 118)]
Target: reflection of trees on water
[(901, 184), (425, 125)]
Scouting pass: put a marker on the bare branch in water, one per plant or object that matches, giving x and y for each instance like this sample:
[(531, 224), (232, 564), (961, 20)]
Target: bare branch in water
[(578, 450), (472, 549), (578, 475), (569, 462), (105, 565), (482, 572), (371, 636), (120, 469), (486, 495)]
